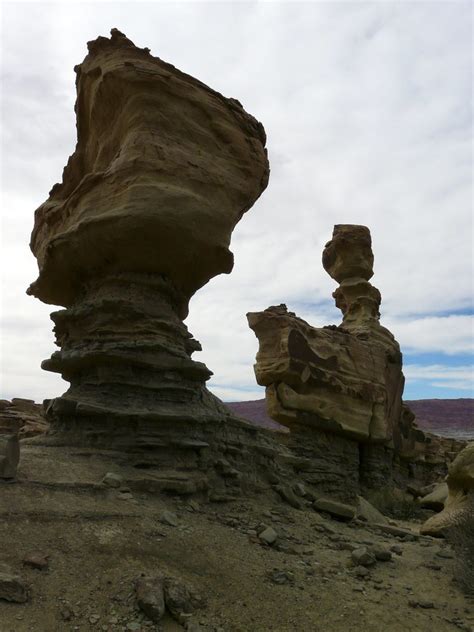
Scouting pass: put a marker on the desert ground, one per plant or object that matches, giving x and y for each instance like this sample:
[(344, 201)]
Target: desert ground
[(97, 540)]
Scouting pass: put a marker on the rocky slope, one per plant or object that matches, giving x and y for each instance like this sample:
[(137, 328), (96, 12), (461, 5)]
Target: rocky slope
[(75, 542)]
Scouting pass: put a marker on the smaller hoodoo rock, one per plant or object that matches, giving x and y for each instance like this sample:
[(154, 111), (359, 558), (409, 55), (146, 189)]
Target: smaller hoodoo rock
[(347, 379), (339, 389)]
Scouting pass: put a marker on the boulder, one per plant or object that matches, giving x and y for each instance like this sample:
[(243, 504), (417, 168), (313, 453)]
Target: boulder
[(363, 557), (268, 535), (12, 587), (336, 509), (367, 512), (436, 498), (150, 597), (460, 482)]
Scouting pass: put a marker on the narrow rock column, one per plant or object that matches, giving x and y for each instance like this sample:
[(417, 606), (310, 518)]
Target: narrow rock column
[(349, 260)]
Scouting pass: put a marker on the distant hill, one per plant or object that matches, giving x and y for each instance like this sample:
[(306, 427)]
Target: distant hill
[(444, 416), (447, 417)]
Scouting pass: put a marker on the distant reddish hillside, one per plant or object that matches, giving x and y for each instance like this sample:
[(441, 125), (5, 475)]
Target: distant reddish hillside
[(435, 415), (432, 414), (256, 412)]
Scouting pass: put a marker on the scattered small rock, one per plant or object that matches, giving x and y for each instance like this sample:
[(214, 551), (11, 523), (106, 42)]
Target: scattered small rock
[(12, 588), (111, 479), (180, 600), (282, 577), (363, 557), (150, 597), (397, 549), (268, 535), (421, 603), (334, 508), (381, 552), (169, 518), (361, 571), (36, 560)]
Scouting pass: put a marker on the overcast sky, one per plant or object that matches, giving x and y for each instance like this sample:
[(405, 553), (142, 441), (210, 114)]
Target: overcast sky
[(367, 108)]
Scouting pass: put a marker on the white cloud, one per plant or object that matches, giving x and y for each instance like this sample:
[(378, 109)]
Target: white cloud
[(442, 376), (450, 335), (367, 109)]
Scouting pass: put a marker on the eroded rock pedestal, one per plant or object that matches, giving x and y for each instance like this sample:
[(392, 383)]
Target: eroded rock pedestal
[(163, 170), (338, 389)]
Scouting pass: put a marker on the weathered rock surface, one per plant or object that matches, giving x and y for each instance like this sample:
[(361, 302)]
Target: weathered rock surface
[(22, 417), (150, 597), (9, 456), (12, 587), (165, 160), (460, 482), (436, 498), (163, 170), (347, 379), (367, 512), (334, 508)]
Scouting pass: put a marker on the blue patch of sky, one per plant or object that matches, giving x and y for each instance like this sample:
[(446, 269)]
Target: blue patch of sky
[(419, 389), (461, 311), (430, 358)]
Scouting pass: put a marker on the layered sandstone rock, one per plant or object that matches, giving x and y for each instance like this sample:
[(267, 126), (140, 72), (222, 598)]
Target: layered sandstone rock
[(22, 417), (460, 482), (163, 170), (346, 380)]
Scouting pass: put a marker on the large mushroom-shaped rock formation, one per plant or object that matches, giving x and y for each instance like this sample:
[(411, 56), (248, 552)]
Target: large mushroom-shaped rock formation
[(163, 169), (338, 389), (460, 480)]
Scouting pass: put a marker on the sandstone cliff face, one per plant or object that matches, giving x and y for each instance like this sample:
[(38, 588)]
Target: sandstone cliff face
[(163, 170), (22, 417)]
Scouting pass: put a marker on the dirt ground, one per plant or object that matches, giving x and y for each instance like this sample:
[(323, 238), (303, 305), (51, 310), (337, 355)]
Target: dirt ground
[(99, 540)]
